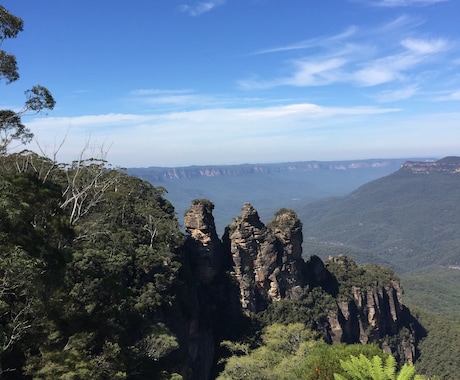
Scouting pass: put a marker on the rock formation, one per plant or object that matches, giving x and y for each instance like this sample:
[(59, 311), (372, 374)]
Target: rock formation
[(267, 262), (265, 265), (203, 241)]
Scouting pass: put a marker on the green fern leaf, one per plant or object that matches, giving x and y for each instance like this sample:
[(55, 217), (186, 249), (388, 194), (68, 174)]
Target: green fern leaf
[(390, 367), (407, 372)]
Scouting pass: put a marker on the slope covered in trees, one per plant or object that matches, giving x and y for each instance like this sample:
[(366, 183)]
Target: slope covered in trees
[(410, 218), (87, 262)]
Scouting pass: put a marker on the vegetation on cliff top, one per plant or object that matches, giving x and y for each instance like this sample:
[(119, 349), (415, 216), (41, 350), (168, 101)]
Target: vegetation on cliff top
[(290, 352)]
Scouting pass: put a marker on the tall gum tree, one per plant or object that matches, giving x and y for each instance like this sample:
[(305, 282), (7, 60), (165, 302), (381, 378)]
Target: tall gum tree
[(38, 98)]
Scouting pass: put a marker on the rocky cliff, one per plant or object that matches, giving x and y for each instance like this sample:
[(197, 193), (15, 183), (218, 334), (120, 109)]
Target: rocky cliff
[(159, 174), (267, 262), (204, 244), (263, 266), (446, 165)]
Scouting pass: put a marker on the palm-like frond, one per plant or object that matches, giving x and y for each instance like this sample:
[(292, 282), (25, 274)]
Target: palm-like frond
[(390, 367), (407, 372), (363, 368)]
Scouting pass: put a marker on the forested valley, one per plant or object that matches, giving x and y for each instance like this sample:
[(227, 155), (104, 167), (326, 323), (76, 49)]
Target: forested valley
[(98, 281)]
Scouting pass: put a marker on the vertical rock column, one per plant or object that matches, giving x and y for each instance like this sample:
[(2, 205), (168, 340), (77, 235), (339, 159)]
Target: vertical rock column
[(203, 241), (290, 277), (254, 254)]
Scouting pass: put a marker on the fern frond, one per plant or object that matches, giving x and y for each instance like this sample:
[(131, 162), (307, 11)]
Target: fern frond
[(407, 372), (376, 368), (390, 367), (356, 367)]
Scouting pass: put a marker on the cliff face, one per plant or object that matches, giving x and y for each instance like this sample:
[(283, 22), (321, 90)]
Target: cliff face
[(266, 266), (204, 244), (254, 255), (164, 174), (450, 165), (266, 261)]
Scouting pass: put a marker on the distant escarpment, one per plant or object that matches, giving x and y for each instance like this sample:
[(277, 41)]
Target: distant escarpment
[(159, 174), (446, 165), (259, 271)]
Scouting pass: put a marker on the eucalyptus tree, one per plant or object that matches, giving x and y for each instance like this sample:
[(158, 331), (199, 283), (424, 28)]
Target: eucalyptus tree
[(38, 98)]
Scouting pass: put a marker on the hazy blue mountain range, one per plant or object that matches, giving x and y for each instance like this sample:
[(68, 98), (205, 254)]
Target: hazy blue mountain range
[(268, 187), (409, 219)]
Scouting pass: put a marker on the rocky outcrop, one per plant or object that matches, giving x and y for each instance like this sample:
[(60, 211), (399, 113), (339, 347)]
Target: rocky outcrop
[(256, 265), (370, 314), (266, 260), (254, 252), (204, 244), (287, 229)]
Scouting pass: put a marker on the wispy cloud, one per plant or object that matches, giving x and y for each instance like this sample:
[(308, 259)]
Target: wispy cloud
[(184, 99), (200, 7), (424, 47), (204, 135), (402, 3), (453, 95), (397, 94), (313, 42), (364, 57)]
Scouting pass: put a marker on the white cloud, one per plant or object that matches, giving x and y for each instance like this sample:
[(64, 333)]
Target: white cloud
[(161, 99), (314, 42), (374, 75), (424, 47), (448, 96), (360, 56), (311, 73), (201, 7), (200, 136), (398, 94)]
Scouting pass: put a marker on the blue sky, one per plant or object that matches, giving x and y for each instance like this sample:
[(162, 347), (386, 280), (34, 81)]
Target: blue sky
[(186, 82)]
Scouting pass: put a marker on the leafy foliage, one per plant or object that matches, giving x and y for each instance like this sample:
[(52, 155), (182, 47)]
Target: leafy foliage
[(311, 310), (440, 349), (363, 368), (206, 203), (79, 296), (290, 352), (281, 349), (323, 361), (38, 98), (350, 275)]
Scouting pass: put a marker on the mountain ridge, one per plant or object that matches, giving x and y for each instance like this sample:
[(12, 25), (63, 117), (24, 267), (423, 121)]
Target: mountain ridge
[(268, 187), (409, 218), (159, 173)]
